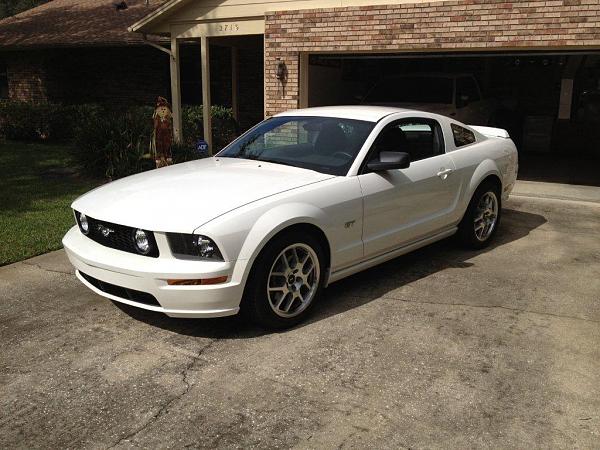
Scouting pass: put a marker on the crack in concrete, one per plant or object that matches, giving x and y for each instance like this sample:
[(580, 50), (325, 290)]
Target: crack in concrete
[(39, 266), (466, 305), (165, 407)]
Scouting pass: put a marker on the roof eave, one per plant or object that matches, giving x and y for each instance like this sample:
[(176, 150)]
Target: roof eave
[(142, 25)]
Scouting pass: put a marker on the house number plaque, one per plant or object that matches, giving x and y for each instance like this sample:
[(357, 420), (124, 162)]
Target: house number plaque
[(228, 27)]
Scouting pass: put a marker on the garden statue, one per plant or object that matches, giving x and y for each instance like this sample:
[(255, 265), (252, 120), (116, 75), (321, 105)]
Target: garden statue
[(163, 133)]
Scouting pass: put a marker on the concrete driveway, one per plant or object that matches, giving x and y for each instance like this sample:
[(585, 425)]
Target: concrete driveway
[(440, 348)]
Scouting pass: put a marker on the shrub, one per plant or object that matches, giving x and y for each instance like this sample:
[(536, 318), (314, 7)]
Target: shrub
[(113, 143), (116, 143), (224, 126), (23, 121)]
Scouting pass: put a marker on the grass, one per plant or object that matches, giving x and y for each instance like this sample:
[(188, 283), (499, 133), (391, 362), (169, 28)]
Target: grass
[(38, 182)]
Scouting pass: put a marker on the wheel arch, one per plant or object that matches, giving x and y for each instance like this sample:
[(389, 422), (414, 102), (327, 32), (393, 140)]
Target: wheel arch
[(285, 218), (486, 171), (304, 227)]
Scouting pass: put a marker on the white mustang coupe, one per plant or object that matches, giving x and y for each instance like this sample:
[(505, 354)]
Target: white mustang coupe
[(301, 200)]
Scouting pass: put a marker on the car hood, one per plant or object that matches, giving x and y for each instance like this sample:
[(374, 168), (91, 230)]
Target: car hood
[(182, 197)]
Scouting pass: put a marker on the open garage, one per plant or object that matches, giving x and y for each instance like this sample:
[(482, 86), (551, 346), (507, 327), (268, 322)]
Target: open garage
[(548, 101)]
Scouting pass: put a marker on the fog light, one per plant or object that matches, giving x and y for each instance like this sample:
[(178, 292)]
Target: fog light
[(83, 224), (142, 242)]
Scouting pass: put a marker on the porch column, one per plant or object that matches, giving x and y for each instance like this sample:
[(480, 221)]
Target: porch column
[(205, 57), (234, 82), (303, 83), (176, 90)]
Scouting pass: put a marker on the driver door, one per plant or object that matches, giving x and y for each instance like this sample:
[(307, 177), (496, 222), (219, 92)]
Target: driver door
[(402, 206)]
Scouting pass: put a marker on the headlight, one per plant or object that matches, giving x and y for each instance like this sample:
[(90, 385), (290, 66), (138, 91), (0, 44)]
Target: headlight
[(83, 223), (142, 242), (194, 245), (206, 248)]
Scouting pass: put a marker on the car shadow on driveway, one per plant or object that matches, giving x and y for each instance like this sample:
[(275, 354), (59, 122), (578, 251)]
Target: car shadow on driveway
[(359, 289)]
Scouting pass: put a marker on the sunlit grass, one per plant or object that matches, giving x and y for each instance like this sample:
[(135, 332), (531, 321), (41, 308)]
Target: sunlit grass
[(38, 182)]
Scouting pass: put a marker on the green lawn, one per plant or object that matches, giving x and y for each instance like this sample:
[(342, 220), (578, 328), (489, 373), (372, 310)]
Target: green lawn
[(37, 186)]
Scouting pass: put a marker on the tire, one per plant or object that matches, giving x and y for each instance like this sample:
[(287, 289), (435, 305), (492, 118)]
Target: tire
[(263, 303), (480, 214)]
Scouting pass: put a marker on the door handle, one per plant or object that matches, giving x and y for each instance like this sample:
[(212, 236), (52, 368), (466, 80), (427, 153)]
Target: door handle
[(443, 174)]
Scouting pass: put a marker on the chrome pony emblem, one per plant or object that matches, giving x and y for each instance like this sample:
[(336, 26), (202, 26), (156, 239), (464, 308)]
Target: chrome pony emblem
[(105, 231)]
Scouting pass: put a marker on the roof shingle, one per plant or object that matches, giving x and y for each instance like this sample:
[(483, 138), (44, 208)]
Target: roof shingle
[(75, 23)]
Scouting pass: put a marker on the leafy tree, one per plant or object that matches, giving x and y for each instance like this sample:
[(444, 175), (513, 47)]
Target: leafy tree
[(12, 7)]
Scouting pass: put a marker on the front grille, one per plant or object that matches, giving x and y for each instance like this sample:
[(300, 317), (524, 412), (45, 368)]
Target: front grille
[(120, 237), (121, 292)]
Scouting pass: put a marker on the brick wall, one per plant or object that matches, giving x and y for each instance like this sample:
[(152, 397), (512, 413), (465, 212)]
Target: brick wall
[(488, 25), (124, 75), (133, 76), (26, 76)]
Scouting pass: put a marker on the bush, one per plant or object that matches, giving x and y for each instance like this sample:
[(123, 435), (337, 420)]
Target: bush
[(116, 143), (224, 126), (113, 143), (23, 121)]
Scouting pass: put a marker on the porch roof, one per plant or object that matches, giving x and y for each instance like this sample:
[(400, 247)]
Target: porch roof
[(189, 11), (75, 23)]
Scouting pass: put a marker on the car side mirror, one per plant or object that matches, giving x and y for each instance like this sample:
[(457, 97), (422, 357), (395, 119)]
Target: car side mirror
[(389, 161)]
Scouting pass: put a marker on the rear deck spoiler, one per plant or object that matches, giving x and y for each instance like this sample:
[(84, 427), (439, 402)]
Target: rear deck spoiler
[(491, 132)]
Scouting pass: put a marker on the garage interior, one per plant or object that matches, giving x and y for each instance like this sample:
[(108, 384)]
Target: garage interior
[(549, 102)]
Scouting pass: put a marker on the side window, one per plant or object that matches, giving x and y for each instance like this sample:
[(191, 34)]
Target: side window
[(3, 81), (420, 138), (462, 136), (466, 90)]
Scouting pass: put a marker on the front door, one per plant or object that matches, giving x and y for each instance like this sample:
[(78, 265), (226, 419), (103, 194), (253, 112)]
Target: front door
[(404, 205)]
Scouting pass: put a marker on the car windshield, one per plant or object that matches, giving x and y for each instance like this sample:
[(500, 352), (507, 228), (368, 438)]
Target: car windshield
[(324, 144), (412, 90)]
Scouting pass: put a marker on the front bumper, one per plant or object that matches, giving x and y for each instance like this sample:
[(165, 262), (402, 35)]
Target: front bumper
[(149, 275)]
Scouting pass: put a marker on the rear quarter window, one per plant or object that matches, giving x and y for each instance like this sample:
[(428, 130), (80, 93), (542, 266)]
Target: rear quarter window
[(462, 136)]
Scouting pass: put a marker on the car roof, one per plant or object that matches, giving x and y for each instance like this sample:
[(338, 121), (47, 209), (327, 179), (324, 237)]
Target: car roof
[(358, 112)]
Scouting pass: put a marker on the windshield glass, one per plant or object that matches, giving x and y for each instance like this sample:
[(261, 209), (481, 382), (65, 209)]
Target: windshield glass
[(324, 144), (412, 90)]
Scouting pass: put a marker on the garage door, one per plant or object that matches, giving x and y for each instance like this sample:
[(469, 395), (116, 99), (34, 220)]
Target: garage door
[(549, 102)]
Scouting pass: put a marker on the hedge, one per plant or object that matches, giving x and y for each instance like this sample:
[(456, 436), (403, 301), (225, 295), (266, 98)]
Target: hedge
[(111, 142)]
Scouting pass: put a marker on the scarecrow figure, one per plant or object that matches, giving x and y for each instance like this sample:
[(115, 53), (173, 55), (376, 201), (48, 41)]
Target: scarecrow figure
[(163, 133)]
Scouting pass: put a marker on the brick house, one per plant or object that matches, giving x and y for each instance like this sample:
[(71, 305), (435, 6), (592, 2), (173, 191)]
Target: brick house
[(538, 58), (80, 51)]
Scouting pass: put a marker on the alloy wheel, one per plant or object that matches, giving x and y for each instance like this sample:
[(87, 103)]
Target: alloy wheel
[(293, 280), (486, 216)]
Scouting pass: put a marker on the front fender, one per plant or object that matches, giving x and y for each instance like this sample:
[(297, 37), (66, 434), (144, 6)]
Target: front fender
[(277, 219)]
